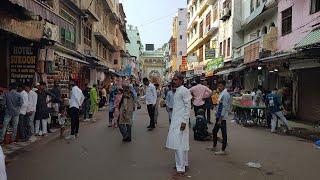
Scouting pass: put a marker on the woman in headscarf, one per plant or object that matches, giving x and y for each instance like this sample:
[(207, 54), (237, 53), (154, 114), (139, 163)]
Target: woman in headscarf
[(127, 107)]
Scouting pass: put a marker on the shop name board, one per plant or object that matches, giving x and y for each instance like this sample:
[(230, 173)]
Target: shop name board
[(210, 53), (28, 29), (22, 63), (214, 64)]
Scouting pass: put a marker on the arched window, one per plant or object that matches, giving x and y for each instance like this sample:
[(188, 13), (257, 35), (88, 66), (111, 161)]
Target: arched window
[(272, 25), (265, 30), (258, 33)]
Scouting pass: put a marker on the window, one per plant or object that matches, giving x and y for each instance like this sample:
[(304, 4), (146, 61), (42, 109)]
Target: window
[(138, 42), (180, 23), (180, 53), (286, 20), (315, 6), (115, 62), (257, 3), (265, 30), (224, 48), (251, 6), (67, 36), (87, 34), (201, 54), (220, 50), (201, 29), (258, 33), (229, 47), (208, 21), (181, 36)]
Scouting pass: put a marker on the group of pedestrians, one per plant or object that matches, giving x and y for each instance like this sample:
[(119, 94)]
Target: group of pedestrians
[(27, 109), (179, 101)]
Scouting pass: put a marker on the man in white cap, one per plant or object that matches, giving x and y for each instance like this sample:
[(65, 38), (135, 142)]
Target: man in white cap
[(178, 136)]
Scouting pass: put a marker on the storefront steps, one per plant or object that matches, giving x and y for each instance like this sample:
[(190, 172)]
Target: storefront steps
[(305, 131)]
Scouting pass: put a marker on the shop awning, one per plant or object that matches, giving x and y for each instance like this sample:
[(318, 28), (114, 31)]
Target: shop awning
[(231, 70), (312, 39), (45, 12), (70, 57)]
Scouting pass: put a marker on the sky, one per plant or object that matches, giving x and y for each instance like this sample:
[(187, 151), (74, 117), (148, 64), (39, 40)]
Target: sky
[(153, 18)]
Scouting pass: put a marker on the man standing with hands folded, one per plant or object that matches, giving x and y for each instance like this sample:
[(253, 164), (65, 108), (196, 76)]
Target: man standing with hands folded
[(178, 136)]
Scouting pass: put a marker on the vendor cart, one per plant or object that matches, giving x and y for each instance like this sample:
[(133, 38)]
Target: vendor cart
[(250, 115)]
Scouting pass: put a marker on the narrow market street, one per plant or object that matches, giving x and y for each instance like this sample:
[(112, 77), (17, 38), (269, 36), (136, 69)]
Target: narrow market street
[(100, 154)]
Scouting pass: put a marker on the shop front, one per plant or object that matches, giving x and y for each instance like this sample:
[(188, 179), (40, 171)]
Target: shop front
[(306, 89)]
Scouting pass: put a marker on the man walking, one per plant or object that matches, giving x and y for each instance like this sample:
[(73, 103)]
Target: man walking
[(42, 110), (273, 103), (31, 110), (76, 100), (199, 93), (224, 104), (94, 105), (86, 105), (13, 102), (151, 100), (178, 136)]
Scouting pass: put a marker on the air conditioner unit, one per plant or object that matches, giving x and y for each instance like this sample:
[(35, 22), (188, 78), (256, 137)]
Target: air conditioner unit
[(51, 32)]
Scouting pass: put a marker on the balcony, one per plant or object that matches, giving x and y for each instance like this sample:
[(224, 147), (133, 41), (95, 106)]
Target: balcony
[(257, 48), (225, 13)]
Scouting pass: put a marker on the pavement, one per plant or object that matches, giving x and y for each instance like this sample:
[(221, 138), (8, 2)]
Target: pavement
[(100, 154)]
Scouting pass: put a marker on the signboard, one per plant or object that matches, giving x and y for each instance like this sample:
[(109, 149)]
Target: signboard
[(210, 53), (191, 59), (28, 29), (184, 60), (23, 61), (198, 70), (270, 40), (214, 64)]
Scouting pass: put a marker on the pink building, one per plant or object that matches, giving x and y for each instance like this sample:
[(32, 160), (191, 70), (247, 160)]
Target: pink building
[(302, 15)]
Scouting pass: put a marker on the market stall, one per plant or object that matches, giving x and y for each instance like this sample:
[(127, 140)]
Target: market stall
[(248, 113)]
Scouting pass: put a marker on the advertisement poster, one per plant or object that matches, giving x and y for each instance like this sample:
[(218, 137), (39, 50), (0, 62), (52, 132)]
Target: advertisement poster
[(22, 63)]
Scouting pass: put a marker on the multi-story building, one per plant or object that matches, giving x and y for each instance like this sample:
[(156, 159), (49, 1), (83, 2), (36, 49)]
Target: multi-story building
[(259, 40), (202, 34), (152, 64), (298, 44), (69, 40), (134, 49)]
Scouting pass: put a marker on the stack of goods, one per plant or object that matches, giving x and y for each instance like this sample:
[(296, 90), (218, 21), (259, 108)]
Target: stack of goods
[(246, 100), (236, 101)]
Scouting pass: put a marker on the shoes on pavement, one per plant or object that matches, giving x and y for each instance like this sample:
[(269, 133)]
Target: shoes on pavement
[(77, 136), (86, 120), (148, 127), (70, 137), (220, 153), (151, 128), (213, 149)]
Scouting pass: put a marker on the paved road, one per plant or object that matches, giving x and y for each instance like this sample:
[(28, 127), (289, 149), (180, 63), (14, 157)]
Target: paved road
[(99, 154)]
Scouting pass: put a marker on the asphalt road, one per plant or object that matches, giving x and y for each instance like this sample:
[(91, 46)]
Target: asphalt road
[(99, 154)]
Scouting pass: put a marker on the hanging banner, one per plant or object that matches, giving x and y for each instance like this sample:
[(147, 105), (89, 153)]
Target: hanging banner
[(214, 64), (191, 59)]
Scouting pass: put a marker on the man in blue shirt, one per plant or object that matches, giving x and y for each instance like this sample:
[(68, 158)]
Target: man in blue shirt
[(273, 102), (222, 115)]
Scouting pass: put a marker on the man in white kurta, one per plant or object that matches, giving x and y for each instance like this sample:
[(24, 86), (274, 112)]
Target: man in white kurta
[(178, 136)]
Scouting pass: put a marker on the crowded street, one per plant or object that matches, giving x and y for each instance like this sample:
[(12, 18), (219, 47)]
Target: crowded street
[(99, 153), (170, 89)]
